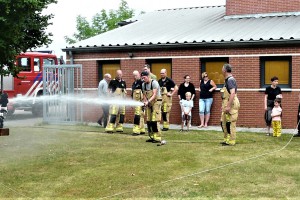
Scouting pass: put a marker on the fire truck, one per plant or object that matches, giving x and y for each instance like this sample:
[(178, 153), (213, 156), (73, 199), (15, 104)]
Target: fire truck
[(29, 83)]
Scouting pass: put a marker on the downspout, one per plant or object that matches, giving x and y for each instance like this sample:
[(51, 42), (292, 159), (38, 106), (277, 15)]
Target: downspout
[(71, 58)]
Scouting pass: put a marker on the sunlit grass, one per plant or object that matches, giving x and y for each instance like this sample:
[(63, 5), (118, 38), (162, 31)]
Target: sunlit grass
[(69, 162)]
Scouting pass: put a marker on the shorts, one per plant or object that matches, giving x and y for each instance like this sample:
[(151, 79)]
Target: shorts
[(185, 117), (205, 106)]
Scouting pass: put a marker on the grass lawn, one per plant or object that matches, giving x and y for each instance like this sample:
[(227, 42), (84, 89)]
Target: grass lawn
[(82, 162)]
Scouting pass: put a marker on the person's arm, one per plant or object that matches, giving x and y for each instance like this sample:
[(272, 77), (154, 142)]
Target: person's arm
[(179, 92), (200, 86), (153, 96), (193, 91), (193, 96), (99, 89), (276, 113), (280, 94), (266, 101), (173, 90), (190, 110), (144, 96), (212, 83), (181, 106)]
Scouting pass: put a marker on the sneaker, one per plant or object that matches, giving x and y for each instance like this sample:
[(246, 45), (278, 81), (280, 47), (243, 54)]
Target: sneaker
[(268, 134), (142, 133), (297, 135), (223, 143), (149, 140), (99, 122), (165, 129), (135, 134), (180, 130)]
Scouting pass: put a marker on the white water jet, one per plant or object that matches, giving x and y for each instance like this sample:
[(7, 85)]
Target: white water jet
[(77, 99)]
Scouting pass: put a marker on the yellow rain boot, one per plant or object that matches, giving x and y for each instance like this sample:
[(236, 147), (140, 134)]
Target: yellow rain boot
[(231, 142), (226, 140), (109, 128), (165, 126), (142, 131), (156, 137), (136, 130), (119, 128)]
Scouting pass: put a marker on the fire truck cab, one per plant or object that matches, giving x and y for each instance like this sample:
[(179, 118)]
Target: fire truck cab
[(29, 83)]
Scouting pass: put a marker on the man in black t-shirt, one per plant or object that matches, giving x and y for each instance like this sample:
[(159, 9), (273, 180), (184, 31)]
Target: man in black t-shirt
[(168, 88), (117, 89)]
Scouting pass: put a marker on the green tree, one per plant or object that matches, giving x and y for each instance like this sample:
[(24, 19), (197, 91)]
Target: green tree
[(22, 27), (101, 22)]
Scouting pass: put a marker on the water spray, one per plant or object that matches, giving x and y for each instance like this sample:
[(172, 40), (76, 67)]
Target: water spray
[(77, 99)]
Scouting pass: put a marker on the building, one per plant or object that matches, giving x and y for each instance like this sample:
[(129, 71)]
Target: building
[(259, 39)]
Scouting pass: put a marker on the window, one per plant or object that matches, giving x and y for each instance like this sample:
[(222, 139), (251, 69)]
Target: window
[(24, 64), (36, 65), (108, 67), (213, 67), (158, 65), (276, 66), (48, 61)]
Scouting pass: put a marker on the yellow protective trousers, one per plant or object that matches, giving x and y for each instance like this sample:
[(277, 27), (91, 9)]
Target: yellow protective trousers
[(228, 120), (166, 107), (138, 122), (116, 113), (276, 125), (153, 113)]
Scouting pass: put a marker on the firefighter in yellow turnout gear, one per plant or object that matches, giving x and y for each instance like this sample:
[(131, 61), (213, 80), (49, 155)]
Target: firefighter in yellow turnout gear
[(152, 103), (117, 88), (230, 107), (137, 94), (168, 88)]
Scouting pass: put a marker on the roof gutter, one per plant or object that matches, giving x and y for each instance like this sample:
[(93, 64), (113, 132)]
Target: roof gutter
[(229, 44)]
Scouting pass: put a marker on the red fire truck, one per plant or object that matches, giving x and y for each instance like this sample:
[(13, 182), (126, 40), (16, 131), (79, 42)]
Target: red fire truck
[(29, 83)]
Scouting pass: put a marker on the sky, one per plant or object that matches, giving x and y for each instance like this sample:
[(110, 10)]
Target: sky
[(66, 11)]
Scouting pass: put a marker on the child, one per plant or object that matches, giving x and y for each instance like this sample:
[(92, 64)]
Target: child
[(276, 118), (186, 108)]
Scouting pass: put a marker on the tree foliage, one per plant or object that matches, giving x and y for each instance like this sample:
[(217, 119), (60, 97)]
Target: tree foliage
[(23, 26), (101, 22)]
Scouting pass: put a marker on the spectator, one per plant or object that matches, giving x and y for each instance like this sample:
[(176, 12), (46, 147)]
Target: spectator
[(102, 93), (276, 118), (272, 92), (147, 69), (206, 89), (185, 87), (186, 110)]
